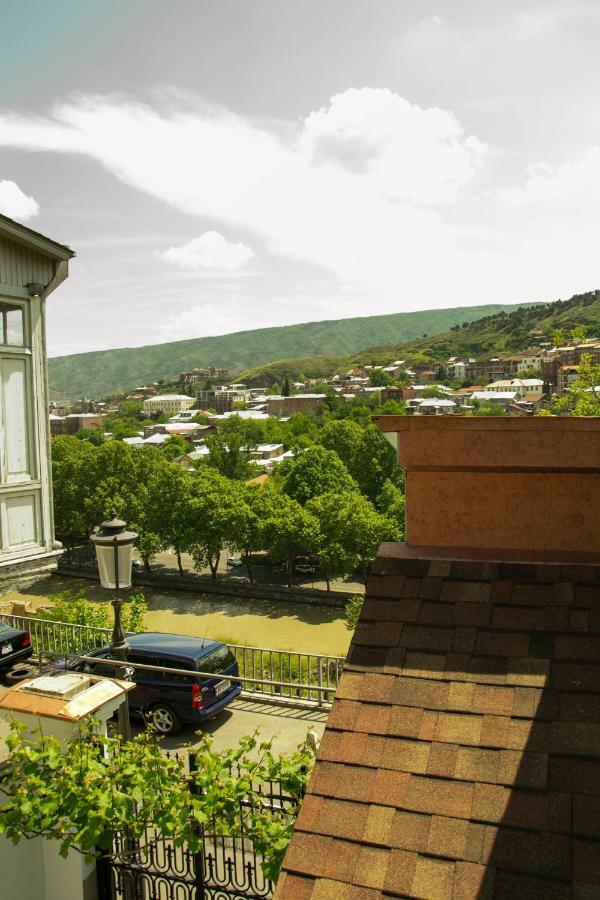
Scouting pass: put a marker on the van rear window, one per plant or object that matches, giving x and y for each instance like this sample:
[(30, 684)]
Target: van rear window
[(217, 660)]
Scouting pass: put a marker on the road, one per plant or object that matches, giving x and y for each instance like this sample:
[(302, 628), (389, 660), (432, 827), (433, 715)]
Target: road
[(262, 573), (286, 725)]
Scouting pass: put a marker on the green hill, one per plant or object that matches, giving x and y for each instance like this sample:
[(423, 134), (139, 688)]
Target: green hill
[(500, 333), (105, 372)]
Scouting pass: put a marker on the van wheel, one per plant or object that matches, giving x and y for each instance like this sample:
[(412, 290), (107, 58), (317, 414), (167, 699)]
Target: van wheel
[(164, 719)]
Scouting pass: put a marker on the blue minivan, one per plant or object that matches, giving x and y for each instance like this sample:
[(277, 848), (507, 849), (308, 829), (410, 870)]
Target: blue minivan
[(166, 700)]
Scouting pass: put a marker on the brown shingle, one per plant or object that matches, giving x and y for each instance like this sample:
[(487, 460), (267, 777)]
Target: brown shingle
[(433, 879), (400, 872), (432, 795), (340, 818), (460, 696), (295, 886), (407, 756), (389, 788), (477, 765), (442, 760), (419, 692), (524, 769), (410, 831), (586, 816), (473, 881), (497, 701), (373, 718), (448, 837), (371, 867), (378, 827), (458, 728), (327, 889)]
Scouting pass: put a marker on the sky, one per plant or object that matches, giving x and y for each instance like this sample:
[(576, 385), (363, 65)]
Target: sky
[(222, 165)]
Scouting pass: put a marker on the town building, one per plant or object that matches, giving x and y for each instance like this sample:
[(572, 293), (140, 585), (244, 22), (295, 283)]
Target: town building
[(297, 403), (32, 266), (194, 376), (531, 389), (167, 403)]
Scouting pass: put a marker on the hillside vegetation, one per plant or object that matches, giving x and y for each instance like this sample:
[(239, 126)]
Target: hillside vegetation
[(501, 333), (104, 372)]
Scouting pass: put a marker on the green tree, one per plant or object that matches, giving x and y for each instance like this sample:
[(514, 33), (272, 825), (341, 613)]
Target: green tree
[(583, 396), (391, 503), (315, 471), (173, 491), (92, 788), (229, 452), (352, 611), (74, 608), (353, 523), (93, 435), (337, 555), (364, 451), (72, 463), (256, 505), (213, 511), (175, 446), (128, 478), (379, 378), (290, 531)]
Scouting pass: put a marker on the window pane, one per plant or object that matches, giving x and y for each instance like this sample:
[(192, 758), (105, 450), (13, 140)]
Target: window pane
[(216, 661), (14, 326)]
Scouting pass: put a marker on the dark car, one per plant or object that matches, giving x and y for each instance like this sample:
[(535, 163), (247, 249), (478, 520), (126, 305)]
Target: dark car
[(15, 645), (166, 700)]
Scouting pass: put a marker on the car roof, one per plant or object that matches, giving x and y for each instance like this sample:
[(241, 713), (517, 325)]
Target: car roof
[(172, 644)]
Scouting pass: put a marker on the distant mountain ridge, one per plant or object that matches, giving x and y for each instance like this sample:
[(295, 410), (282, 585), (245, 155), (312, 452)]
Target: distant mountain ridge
[(98, 373), (500, 333)]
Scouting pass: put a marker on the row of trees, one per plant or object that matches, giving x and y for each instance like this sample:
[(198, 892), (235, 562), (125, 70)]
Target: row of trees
[(314, 504)]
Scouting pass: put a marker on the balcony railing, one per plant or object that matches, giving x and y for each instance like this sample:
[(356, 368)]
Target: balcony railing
[(284, 675)]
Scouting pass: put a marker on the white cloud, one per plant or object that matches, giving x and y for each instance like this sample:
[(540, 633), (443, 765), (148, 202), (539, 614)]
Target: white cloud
[(403, 151), (577, 179), (15, 204), (209, 251), (374, 227)]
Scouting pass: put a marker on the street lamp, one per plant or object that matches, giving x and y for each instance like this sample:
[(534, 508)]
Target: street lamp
[(114, 551)]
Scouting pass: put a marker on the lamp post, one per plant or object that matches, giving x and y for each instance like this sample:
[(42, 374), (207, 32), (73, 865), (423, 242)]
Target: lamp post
[(114, 551)]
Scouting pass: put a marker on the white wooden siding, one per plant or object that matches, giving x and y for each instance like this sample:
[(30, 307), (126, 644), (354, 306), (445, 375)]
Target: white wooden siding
[(20, 266)]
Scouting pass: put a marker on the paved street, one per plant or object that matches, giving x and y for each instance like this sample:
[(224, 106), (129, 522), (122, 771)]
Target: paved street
[(243, 717), (262, 573)]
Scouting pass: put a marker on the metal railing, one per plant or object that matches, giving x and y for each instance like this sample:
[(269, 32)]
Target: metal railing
[(282, 674)]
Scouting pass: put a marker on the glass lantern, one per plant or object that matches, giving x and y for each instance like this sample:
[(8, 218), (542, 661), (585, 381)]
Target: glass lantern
[(114, 551)]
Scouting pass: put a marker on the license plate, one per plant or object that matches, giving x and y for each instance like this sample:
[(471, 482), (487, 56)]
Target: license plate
[(221, 687), (6, 648)]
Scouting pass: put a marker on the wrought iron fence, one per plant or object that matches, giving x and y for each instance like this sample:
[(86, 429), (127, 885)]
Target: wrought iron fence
[(286, 675), (223, 868)]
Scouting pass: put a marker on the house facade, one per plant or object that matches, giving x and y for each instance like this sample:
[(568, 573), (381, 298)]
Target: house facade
[(168, 403), (31, 268)]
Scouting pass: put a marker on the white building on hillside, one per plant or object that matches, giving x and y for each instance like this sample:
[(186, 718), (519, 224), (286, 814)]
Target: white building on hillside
[(168, 403), (528, 388)]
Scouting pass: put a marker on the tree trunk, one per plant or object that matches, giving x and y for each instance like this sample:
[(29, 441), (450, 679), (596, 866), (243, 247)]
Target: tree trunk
[(289, 566), (327, 582), (179, 565), (147, 569), (214, 565)]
